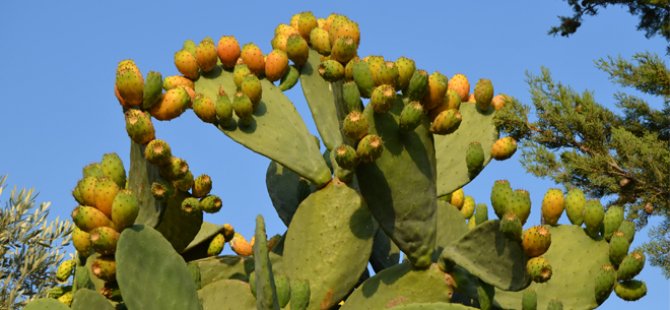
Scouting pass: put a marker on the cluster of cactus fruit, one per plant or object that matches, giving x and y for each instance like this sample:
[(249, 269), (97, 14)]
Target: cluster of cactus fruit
[(399, 146)]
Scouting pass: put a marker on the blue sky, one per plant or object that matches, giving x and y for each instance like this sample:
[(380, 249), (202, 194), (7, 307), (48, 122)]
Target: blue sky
[(58, 60)]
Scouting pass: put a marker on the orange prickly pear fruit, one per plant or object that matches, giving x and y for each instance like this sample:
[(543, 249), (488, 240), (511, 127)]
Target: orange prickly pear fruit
[(297, 49), (536, 240), (304, 23), (88, 218), (125, 209), (459, 83), (104, 267), (139, 126), (483, 94), (498, 101), (276, 65), (341, 26), (228, 50), (187, 64), (129, 84), (240, 246), (202, 186), (206, 55), (158, 152), (104, 240), (85, 191), (437, 87), (552, 206), (503, 148), (105, 191), (252, 56), (204, 108), (320, 41), (175, 101)]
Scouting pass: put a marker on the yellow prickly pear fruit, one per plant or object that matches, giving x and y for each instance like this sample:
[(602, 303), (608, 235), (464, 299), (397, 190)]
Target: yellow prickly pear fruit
[(216, 245), (228, 231), (343, 49), (320, 41), (446, 122), (552, 206), (211, 204), (104, 267), (175, 101), (536, 240), (276, 65), (104, 240), (252, 56), (158, 152), (304, 23), (228, 50), (483, 94), (66, 298), (369, 148), (204, 108), (251, 86), (382, 98), (206, 55), (129, 84), (125, 209), (240, 245), (355, 125), (451, 101), (539, 269), (187, 64), (64, 270), (175, 81), (202, 186), (459, 83), (349, 69), (472, 222), (457, 198), (467, 207), (437, 88), (86, 191), (341, 26), (406, 68), (105, 191), (297, 49), (82, 242), (88, 218), (503, 148), (240, 71), (498, 101), (139, 126)]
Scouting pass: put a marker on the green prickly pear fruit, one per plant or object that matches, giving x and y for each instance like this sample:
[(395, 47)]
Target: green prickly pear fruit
[(224, 108), (104, 240), (129, 83), (175, 169), (243, 106), (184, 183), (105, 191), (446, 122), (511, 226), (162, 190), (92, 170), (593, 217), (536, 240), (304, 23), (228, 50), (276, 65), (387, 74), (82, 242), (631, 265), (216, 245), (529, 300), (139, 126), (204, 108), (175, 101), (520, 205), (352, 96), (300, 293), (468, 208), (459, 83), (252, 282), (104, 267), (619, 246), (363, 78), (189, 46), (240, 71), (437, 88), (382, 98), (206, 55), (87, 218), (575, 202), (553, 204), (290, 79), (152, 89), (112, 167), (252, 56), (458, 198), (283, 289), (211, 204), (631, 290), (64, 270), (612, 220), (411, 115), (498, 101), (355, 125), (503, 148), (190, 204), (125, 209), (501, 194), (66, 298), (187, 64), (320, 41), (202, 186), (481, 213), (158, 152), (406, 68), (418, 85), (483, 94), (605, 280), (555, 305), (628, 229), (331, 70), (539, 269), (474, 158), (343, 49), (297, 49), (349, 69), (345, 156), (175, 81), (241, 246), (251, 86), (369, 148)]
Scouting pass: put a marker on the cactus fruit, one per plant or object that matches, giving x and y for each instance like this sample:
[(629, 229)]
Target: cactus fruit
[(162, 190), (64, 270), (153, 85), (363, 78), (459, 83), (593, 217), (158, 152), (498, 101), (175, 169), (175, 81), (189, 45), (252, 56), (481, 213), (355, 125), (630, 290), (304, 23), (331, 70), (243, 106), (553, 204), (92, 170), (539, 269), (437, 88), (240, 245), (251, 86), (125, 209), (605, 280), (66, 298), (206, 55), (474, 158), (276, 65), (536, 240), (129, 83), (501, 194), (239, 72), (451, 101), (418, 85), (406, 68), (139, 126), (216, 245), (343, 49), (457, 198), (628, 229), (618, 249), (224, 108), (104, 240), (410, 116), (175, 101), (190, 204), (503, 148), (446, 122), (511, 226), (300, 294), (529, 300), (88, 218), (387, 74), (105, 191), (283, 289), (104, 267), (297, 49), (202, 186), (228, 50), (575, 203), (352, 96), (320, 41), (630, 266), (82, 242), (187, 64), (468, 208), (612, 220), (112, 167), (369, 148), (345, 155), (289, 79), (185, 182), (211, 204), (204, 108), (382, 98), (483, 94)]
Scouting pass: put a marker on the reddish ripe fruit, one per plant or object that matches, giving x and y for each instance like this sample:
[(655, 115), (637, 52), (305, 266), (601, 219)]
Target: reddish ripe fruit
[(228, 50)]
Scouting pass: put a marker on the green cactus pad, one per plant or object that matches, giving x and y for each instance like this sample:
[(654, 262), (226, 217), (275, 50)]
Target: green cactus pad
[(227, 295), (488, 254), (384, 252), (286, 190), (213, 269), (266, 291), (388, 184), (46, 304), (268, 134), (574, 258), (85, 299), (198, 247), (433, 306), (328, 243), (450, 150), (85, 277), (140, 177), (399, 285), (150, 273), (451, 226), (177, 226)]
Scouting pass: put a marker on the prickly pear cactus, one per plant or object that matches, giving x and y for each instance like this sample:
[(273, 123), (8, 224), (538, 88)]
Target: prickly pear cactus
[(400, 143)]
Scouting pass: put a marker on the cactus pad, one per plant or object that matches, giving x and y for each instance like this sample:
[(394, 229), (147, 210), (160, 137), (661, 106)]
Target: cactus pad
[(227, 295), (85, 299)]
